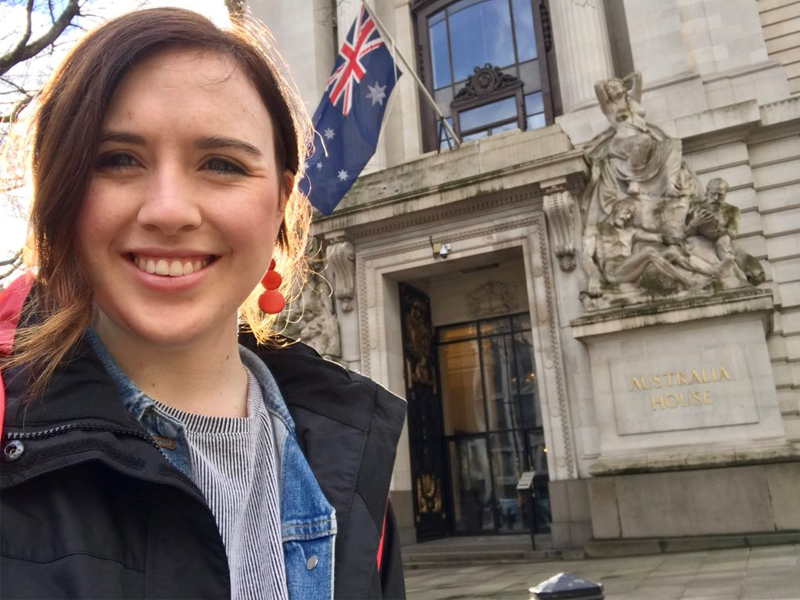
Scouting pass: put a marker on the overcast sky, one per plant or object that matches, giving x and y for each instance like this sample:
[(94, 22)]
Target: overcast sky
[(12, 20)]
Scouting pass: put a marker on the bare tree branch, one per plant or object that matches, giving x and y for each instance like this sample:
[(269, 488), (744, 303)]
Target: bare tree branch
[(26, 49), (13, 116), (14, 263), (12, 260), (26, 35)]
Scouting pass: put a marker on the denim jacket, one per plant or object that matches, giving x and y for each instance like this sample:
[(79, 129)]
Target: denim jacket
[(308, 521)]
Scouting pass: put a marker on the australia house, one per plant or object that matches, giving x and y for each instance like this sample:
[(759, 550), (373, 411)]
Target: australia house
[(597, 291)]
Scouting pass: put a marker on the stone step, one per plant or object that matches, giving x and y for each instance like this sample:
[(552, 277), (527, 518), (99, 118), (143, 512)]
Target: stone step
[(635, 547), (421, 560)]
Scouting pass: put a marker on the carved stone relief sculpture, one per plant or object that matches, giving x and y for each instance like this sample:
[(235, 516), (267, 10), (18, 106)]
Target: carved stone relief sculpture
[(311, 318), (492, 298), (341, 257), (650, 229)]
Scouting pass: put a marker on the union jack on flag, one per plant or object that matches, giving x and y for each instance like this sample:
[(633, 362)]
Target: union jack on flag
[(362, 39), (349, 116)]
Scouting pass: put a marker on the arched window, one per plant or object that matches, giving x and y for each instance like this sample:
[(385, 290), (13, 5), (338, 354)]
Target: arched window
[(485, 63)]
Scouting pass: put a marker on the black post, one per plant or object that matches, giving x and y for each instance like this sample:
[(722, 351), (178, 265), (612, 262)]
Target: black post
[(529, 495)]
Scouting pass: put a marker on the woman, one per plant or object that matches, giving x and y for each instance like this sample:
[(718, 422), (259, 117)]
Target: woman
[(146, 453), (631, 159)]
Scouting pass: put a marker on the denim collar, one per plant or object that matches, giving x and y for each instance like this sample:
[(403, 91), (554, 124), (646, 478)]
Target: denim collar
[(167, 431)]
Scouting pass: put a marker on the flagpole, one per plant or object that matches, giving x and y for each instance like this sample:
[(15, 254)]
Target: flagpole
[(413, 72)]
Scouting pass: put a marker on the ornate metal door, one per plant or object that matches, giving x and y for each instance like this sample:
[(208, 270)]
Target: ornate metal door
[(425, 431)]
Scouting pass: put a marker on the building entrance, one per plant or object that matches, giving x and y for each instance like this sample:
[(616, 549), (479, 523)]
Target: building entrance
[(492, 425)]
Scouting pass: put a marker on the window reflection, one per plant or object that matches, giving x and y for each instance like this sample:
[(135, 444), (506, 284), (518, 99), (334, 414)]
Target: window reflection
[(487, 114), (534, 110), (440, 57), (481, 32), (471, 485), (462, 390), (526, 32), (490, 38), (508, 462), (493, 424), (466, 34)]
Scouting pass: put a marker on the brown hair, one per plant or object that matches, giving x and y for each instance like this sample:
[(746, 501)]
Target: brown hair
[(66, 134)]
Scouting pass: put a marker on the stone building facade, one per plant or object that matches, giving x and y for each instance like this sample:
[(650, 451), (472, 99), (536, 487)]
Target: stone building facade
[(599, 288)]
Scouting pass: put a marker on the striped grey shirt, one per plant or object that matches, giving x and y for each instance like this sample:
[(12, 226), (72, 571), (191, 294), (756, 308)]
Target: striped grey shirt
[(235, 466)]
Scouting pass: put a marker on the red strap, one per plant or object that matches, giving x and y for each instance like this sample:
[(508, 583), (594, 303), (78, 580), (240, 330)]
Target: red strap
[(383, 536), (11, 301)]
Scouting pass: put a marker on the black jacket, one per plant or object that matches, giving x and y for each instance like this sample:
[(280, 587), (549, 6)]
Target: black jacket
[(89, 507)]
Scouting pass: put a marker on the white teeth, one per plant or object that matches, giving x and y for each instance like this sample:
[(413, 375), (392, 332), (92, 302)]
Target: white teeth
[(171, 268), (162, 268), (175, 269)]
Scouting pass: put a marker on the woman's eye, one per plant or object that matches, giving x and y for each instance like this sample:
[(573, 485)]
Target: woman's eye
[(224, 167), (117, 160)]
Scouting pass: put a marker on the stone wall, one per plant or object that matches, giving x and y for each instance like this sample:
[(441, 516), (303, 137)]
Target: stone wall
[(714, 501), (781, 22), (450, 294), (775, 164), (763, 173)]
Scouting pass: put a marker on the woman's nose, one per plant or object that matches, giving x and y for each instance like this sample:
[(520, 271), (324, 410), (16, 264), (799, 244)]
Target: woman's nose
[(171, 204)]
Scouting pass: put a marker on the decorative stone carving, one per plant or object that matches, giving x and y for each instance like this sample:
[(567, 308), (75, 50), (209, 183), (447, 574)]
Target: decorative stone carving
[(493, 298), (341, 257), (650, 230), (485, 81), (311, 318), (559, 206), (718, 221)]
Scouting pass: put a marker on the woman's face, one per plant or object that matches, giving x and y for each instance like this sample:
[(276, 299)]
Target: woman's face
[(615, 88), (185, 201)]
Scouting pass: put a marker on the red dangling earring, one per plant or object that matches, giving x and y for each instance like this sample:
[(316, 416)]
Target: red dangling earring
[(271, 301)]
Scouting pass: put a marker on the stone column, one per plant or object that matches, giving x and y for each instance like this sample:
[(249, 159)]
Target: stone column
[(583, 50)]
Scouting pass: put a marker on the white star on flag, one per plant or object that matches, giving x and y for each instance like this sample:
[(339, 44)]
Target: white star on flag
[(342, 175), (376, 93), (329, 134), (319, 165)]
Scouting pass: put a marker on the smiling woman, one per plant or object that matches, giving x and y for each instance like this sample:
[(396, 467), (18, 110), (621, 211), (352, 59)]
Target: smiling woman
[(168, 449)]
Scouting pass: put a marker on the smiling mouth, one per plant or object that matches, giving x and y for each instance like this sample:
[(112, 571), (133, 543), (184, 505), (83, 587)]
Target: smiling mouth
[(170, 267)]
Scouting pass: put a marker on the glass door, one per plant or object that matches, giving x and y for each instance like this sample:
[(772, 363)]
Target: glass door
[(493, 425)]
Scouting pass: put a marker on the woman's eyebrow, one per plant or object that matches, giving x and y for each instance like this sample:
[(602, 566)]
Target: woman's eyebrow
[(213, 142), (123, 137), (204, 143)]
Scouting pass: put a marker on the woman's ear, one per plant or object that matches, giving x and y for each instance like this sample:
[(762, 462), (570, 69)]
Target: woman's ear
[(286, 190)]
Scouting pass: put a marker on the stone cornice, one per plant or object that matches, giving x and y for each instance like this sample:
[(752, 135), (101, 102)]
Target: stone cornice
[(497, 170), (694, 458), (746, 300)]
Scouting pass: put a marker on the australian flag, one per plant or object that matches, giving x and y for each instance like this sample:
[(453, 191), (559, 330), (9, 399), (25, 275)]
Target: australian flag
[(348, 119)]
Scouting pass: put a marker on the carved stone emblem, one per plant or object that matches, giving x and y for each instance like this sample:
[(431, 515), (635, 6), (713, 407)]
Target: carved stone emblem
[(650, 229), (493, 298), (485, 81)]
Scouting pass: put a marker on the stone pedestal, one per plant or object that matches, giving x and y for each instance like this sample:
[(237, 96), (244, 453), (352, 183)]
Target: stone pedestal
[(690, 427)]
